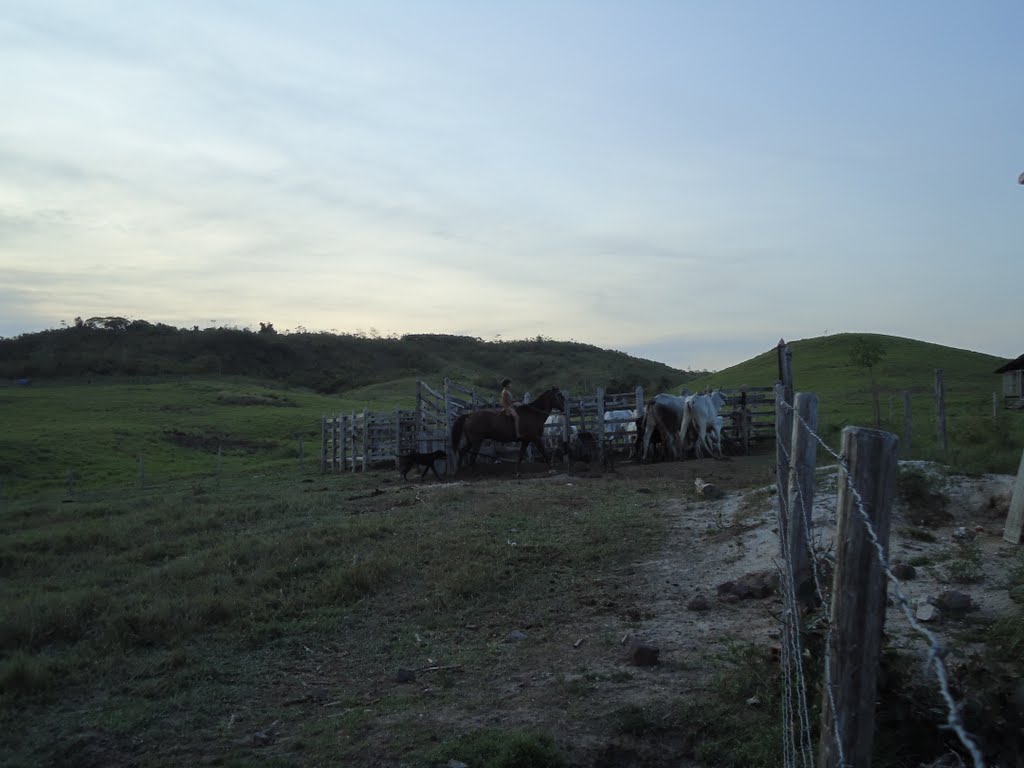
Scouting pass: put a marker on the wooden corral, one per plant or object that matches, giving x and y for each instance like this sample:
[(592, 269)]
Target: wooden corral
[(1013, 382), (361, 440)]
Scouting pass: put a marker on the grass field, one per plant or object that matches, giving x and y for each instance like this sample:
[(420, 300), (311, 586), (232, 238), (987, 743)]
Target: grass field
[(85, 436), (266, 621), (77, 436), (976, 441), (166, 604)]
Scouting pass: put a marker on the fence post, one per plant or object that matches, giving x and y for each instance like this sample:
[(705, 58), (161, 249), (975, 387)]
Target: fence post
[(783, 436), (366, 439), (995, 407), (1015, 518), (906, 424), (600, 424), (940, 407), (566, 460), (352, 430), (323, 444), (449, 419), (398, 437), (803, 455), (341, 443), (419, 417), (858, 598)]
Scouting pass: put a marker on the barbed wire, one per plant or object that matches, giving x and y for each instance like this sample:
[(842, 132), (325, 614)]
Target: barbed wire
[(792, 611), (935, 650)]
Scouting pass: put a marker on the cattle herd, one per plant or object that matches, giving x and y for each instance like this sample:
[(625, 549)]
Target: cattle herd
[(670, 427)]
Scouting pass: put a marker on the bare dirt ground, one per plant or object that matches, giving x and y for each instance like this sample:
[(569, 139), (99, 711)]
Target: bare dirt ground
[(715, 541)]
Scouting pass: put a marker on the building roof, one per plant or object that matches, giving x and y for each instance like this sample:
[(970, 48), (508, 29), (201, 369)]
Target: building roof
[(1013, 365)]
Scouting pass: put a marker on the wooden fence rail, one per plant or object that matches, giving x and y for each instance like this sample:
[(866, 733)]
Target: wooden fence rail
[(360, 440)]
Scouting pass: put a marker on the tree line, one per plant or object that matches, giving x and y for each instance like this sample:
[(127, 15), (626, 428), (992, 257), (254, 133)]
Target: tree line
[(325, 362)]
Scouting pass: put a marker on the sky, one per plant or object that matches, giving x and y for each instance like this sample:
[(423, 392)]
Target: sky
[(687, 182)]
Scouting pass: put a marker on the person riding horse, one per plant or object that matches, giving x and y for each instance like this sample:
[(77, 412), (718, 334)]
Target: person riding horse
[(509, 403)]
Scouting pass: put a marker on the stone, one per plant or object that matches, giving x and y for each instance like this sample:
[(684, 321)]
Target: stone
[(749, 587), (699, 603), (928, 612), (641, 654), (405, 676), (955, 603), (964, 534), (904, 571), (515, 635)]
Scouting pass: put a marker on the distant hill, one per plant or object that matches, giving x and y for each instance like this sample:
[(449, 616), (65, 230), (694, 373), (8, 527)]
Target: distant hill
[(324, 362), (823, 365)]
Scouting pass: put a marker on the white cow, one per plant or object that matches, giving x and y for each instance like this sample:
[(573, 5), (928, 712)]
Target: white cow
[(554, 429), (619, 421), (702, 412)]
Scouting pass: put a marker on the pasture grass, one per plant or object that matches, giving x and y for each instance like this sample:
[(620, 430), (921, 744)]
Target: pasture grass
[(77, 437), (265, 620), (976, 442)]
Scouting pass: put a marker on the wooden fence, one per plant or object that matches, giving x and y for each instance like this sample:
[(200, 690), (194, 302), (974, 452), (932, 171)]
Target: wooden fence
[(374, 438)]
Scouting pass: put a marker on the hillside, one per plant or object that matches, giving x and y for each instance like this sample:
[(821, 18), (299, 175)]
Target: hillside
[(323, 362), (823, 365)]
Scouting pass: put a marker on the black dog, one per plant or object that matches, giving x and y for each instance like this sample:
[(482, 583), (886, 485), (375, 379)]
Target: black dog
[(425, 460)]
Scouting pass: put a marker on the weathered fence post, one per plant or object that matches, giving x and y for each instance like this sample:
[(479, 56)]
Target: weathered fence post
[(858, 597), (1015, 518), (398, 438), (449, 420), (323, 444), (906, 424), (566, 459), (940, 409), (341, 444), (352, 430), (599, 430), (419, 418), (995, 407), (803, 455), (366, 439), (783, 436)]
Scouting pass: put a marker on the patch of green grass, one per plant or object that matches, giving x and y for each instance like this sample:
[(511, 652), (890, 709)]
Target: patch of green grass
[(145, 434), (197, 602), (724, 730), (964, 564), (492, 748)]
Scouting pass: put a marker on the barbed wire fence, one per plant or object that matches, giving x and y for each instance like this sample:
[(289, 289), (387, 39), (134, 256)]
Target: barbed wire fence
[(853, 617)]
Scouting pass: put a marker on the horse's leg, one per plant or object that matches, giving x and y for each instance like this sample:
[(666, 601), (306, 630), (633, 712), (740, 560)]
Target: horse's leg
[(523, 445), (543, 450)]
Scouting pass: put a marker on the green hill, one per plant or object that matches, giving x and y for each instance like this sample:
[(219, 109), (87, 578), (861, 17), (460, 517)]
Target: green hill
[(105, 348), (823, 365)]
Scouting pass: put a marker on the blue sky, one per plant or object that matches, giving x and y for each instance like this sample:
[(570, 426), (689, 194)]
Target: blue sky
[(685, 181)]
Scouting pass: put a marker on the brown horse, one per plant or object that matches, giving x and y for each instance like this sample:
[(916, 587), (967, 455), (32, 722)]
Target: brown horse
[(494, 424)]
